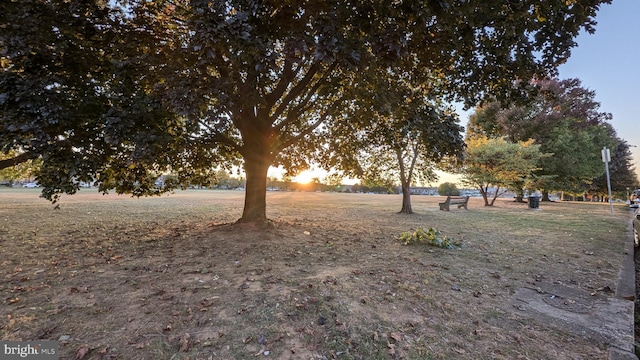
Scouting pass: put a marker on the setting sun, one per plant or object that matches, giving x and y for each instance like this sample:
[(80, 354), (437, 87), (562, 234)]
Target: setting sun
[(307, 176)]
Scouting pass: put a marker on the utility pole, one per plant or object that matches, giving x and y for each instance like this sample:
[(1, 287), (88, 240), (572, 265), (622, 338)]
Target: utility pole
[(606, 157)]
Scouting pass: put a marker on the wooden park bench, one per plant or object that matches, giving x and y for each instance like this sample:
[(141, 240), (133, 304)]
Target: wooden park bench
[(461, 201)]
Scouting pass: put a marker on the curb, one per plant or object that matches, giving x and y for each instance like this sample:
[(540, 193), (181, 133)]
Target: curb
[(626, 290)]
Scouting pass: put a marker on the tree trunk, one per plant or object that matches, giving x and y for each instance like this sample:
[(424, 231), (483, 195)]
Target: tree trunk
[(405, 179), (406, 200), (545, 196), (255, 202), (485, 196), (495, 196)]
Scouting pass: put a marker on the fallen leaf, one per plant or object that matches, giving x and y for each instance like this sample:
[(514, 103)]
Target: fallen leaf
[(392, 349), (185, 343), (82, 352), (395, 337), (605, 289)]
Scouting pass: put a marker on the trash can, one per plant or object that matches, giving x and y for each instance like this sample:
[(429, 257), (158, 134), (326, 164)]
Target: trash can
[(534, 202)]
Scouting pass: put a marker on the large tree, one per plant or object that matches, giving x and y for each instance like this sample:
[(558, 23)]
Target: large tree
[(250, 82), (494, 165), (399, 129), (408, 146)]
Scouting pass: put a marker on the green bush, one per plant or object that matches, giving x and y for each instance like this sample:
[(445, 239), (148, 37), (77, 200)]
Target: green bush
[(448, 189), (430, 236)]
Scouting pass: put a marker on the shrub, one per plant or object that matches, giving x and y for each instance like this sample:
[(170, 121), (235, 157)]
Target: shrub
[(448, 189), (430, 236)]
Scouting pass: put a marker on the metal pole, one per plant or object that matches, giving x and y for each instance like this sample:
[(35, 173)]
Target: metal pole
[(606, 157)]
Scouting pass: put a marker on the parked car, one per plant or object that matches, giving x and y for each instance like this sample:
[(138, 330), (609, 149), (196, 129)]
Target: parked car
[(635, 199), (31, 185), (636, 227)]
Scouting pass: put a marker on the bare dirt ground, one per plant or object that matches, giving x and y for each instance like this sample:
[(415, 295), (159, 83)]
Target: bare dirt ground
[(112, 277)]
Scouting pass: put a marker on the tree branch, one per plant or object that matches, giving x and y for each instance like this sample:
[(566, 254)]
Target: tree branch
[(24, 157), (296, 90), (288, 74), (298, 109), (414, 159), (309, 129), (216, 137), (403, 177)]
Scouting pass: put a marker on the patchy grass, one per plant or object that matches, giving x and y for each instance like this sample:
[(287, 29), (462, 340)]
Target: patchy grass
[(167, 278)]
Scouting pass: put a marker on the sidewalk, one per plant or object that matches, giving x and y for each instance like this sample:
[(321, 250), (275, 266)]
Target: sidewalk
[(604, 317), (626, 291)]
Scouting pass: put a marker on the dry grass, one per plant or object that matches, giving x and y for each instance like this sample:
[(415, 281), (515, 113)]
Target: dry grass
[(165, 278)]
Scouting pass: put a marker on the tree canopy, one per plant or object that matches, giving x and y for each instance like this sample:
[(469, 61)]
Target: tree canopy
[(564, 119), (493, 165), (408, 146), (122, 91), (399, 128)]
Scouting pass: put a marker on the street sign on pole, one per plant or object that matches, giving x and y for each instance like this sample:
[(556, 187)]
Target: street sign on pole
[(606, 157)]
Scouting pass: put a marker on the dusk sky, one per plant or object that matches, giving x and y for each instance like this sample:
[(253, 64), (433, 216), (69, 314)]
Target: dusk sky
[(608, 62)]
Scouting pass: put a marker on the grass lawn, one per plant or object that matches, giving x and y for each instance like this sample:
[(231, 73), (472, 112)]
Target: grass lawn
[(114, 277)]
